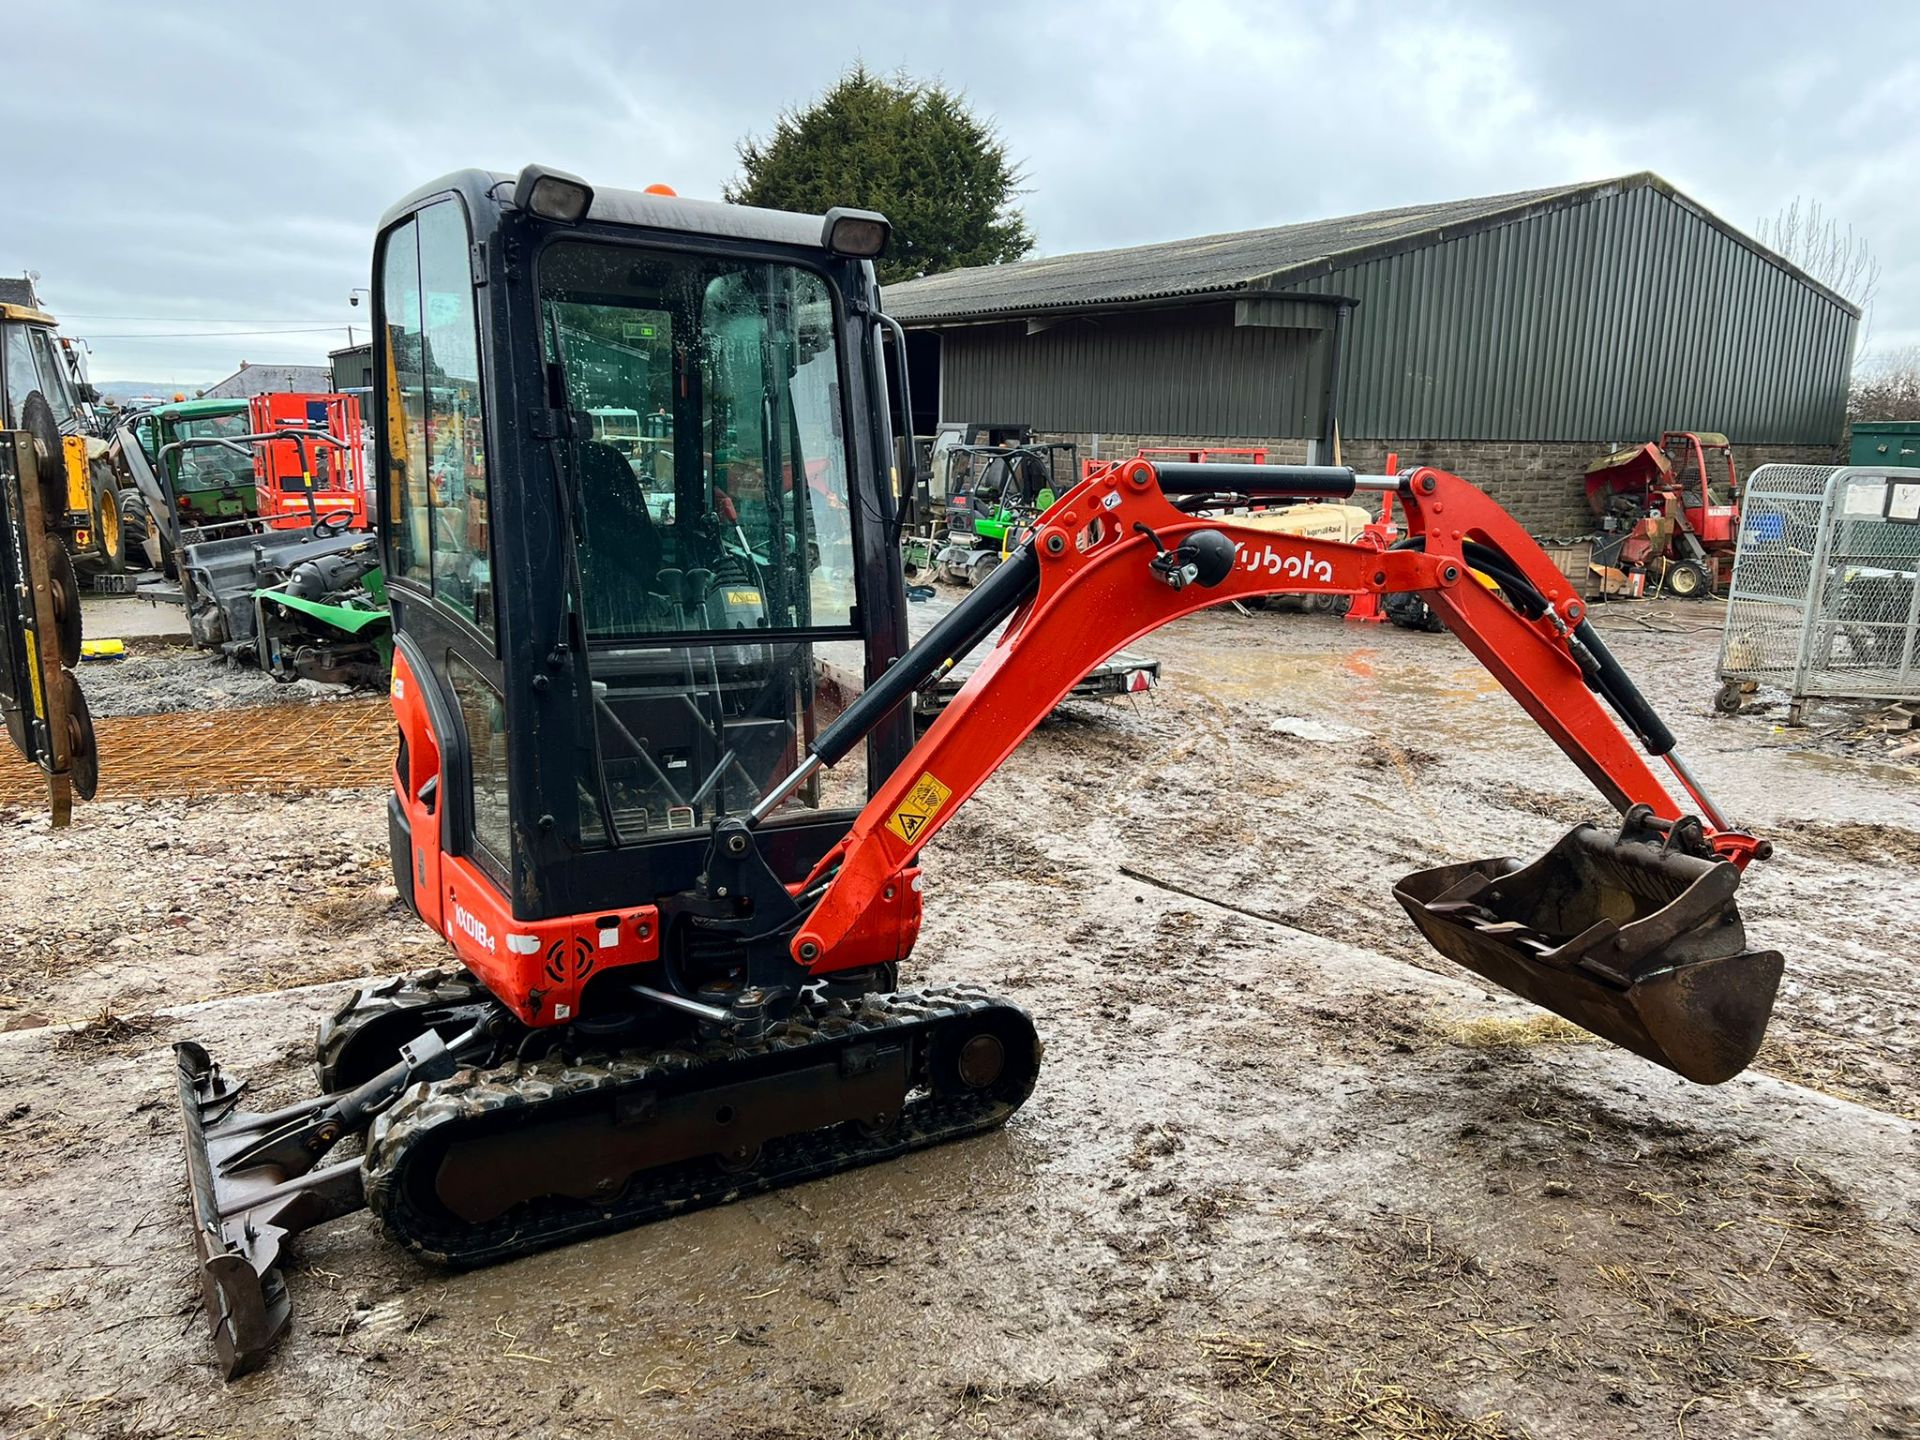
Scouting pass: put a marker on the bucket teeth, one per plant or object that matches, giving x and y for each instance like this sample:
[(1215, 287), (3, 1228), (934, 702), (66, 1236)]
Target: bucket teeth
[(1631, 937)]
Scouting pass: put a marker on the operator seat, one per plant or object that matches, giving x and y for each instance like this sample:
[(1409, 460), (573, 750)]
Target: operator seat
[(620, 556)]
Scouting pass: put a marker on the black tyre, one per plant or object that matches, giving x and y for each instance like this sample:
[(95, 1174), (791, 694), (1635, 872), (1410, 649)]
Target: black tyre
[(1410, 612), (136, 531), (109, 539), (1727, 699), (1688, 580)]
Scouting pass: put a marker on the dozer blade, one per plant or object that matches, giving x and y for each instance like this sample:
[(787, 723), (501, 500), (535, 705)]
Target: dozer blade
[(1627, 936), (242, 1212)]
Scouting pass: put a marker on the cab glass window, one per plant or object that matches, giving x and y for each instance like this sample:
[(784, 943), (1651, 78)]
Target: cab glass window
[(484, 715), (709, 468), (53, 377), (21, 381), (407, 499), (213, 467), (436, 431)]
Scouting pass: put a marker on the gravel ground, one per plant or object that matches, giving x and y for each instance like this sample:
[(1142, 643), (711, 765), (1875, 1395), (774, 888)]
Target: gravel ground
[(1286, 1172), (159, 679)]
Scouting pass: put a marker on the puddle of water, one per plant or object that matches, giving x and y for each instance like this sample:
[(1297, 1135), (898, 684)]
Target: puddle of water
[(1325, 731)]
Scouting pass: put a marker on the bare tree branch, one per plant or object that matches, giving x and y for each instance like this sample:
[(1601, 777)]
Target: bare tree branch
[(1826, 249)]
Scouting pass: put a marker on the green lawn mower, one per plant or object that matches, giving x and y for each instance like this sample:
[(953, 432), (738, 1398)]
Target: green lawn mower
[(1000, 493)]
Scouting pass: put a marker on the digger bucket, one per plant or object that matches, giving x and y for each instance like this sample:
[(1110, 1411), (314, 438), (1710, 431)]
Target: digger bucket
[(244, 1208), (1627, 936)]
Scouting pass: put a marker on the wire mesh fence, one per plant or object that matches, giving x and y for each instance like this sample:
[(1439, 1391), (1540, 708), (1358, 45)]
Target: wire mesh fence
[(1825, 596), (340, 744)]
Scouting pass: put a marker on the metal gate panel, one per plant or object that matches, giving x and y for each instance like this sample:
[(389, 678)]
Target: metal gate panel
[(1825, 595)]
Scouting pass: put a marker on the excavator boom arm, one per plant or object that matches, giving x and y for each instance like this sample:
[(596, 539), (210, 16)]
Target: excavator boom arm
[(1103, 569)]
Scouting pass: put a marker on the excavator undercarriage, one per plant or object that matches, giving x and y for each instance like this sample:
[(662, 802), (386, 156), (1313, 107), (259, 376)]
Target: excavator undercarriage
[(680, 952), (502, 1159)]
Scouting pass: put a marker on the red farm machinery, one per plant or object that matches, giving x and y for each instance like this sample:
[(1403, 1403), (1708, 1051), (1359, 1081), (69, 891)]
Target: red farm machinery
[(1669, 513)]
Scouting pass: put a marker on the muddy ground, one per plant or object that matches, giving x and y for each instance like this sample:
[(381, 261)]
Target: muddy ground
[(1286, 1172)]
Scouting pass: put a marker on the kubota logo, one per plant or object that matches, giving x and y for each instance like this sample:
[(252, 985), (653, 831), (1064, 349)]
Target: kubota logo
[(1269, 561), (470, 923)]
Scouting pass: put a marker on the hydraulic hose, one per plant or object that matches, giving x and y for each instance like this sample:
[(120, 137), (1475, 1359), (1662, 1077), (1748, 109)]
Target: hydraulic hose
[(1619, 691), (1603, 673), (952, 636)]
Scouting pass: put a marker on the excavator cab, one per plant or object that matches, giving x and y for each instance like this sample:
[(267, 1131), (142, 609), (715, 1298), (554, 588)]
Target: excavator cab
[(601, 651)]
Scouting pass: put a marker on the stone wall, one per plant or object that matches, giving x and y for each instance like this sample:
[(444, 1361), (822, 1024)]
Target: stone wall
[(1539, 483)]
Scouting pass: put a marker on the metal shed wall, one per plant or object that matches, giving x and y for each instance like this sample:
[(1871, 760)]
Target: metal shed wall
[(1188, 371), (1609, 320)]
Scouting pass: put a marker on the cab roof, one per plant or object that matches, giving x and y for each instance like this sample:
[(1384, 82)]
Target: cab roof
[(26, 314), (489, 190), (199, 409)]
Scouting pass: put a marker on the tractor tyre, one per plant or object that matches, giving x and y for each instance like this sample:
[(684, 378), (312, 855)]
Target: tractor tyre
[(1687, 580), (139, 541), (1410, 612), (109, 538), (982, 568)]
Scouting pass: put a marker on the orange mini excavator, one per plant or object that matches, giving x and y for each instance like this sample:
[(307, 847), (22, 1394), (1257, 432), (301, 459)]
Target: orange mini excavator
[(678, 884)]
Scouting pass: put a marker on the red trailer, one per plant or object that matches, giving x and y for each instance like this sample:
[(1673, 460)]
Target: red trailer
[(326, 479)]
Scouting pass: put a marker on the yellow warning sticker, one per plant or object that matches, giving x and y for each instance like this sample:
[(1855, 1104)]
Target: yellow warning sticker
[(923, 802), (743, 597)]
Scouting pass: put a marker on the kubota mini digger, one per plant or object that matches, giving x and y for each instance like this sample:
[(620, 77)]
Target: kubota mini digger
[(679, 892)]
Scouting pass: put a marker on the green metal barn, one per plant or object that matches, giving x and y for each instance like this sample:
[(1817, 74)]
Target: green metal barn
[(1511, 338)]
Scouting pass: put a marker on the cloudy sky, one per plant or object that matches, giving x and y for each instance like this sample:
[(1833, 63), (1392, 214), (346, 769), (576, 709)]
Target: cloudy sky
[(223, 166)]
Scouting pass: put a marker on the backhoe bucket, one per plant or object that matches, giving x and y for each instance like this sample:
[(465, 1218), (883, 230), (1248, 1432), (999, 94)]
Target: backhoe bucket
[(1628, 936)]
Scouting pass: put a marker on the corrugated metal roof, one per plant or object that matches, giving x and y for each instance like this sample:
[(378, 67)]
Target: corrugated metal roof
[(272, 380), (1144, 274)]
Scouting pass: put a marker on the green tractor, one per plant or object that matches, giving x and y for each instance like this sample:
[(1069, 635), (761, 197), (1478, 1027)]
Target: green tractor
[(214, 489), (997, 492)]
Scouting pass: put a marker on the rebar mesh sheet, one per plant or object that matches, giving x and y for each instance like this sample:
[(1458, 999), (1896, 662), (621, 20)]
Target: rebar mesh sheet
[(262, 748)]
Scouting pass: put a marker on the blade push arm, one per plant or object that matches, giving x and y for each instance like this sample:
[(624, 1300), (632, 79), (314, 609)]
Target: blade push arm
[(1115, 559)]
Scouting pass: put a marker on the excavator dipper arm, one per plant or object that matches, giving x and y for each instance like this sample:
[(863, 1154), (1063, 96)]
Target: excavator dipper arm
[(1116, 558)]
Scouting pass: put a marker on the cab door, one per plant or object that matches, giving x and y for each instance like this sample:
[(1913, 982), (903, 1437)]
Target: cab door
[(449, 818)]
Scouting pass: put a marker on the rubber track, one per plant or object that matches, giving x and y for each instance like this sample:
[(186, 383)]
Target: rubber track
[(397, 1136)]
